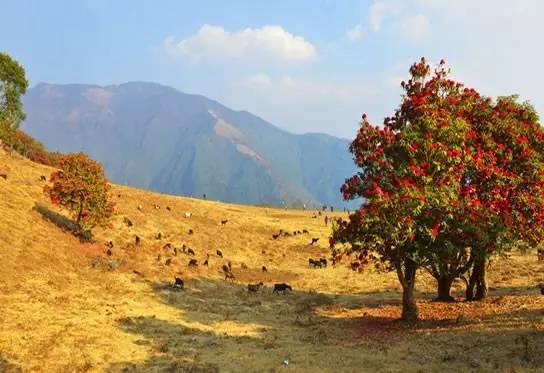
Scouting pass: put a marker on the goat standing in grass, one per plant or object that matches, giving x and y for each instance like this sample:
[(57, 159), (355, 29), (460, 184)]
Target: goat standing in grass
[(282, 288)]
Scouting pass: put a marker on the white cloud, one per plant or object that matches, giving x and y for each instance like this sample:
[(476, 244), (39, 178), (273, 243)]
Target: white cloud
[(415, 27), (267, 42), (355, 33), (377, 10), (259, 81)]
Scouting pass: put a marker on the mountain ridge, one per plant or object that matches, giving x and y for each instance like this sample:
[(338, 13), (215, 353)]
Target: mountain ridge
[(156, 137)]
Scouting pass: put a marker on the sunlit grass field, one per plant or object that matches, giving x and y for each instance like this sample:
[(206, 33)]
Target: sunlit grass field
[(67, 306)]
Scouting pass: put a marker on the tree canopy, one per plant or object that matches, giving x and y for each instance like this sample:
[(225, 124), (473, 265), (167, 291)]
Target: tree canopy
[(451, 178), (13, 85), (81, 187)]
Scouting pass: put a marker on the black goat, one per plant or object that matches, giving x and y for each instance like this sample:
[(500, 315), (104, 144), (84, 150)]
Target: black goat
[(323, 261), (224, 222), (282, 288), (275, 236), (191, 231), (43, 178), (219, 253), (158, 236), (168, 208), (205, 263), (178, 283), (193, 263), (168, 262), (190, 251), (314, 240), (305, 231), (137, 240), (264, 269)]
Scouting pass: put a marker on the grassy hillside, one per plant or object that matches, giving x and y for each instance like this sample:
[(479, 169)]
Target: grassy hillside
[(67, 306)]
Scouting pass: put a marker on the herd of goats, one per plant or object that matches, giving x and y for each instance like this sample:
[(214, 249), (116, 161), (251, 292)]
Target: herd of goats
[(226, 268)]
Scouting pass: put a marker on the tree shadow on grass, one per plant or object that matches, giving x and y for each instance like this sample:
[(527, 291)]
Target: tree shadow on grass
[(63, 222), (223, 327)]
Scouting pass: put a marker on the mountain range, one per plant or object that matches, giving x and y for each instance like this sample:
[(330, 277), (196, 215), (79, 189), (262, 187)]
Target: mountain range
[(155, 137)]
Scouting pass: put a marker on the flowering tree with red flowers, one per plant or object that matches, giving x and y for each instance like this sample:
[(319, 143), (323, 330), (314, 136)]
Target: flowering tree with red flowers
[(81, 187), (450, 179)]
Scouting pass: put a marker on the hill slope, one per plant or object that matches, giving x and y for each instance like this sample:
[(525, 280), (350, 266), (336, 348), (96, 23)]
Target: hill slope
[(157, 138), (67, 306)]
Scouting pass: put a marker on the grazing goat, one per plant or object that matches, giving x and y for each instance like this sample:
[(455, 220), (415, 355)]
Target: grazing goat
[(184, 248), (175, 251), (205, 263), (158, 236), (540, 253), (264, 269), (219, 253), (254, 287), (305, 231), (109, 244), (311, 262), (243, 266), (168, 262), (275, 236), (282, 288), (193, 263), (191, 231), (137, 240), (188, 214), (168, 208), (178, 283), (43, 178), (224, 222), (323, 261), (225, 268), (355, 265), (314, 240), (167, 246), (119, 196), (157, 207), (127, 221), (190, 251), (108, 252)]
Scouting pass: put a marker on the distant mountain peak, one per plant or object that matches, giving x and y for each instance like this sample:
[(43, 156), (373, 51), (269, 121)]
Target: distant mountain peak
[(156, 137)]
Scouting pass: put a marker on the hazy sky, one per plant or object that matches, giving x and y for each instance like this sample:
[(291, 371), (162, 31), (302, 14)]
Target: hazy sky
[(305, 66)]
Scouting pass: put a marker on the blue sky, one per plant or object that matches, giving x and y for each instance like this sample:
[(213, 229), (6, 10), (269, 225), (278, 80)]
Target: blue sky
[(305, 66)]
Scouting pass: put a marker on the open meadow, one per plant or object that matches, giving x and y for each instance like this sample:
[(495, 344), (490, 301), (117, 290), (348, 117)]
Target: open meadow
[(68, 306)]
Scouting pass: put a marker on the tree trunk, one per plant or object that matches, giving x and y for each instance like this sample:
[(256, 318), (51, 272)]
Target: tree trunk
[(477, 285), (409, 306), (444, 289)]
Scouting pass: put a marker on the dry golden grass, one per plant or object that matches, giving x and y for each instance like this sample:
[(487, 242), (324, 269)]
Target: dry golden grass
[(67, 306)]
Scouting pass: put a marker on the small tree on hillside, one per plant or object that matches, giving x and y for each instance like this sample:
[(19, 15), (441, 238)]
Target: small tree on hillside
[(442, 191), (13, 85), (81, 187)]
